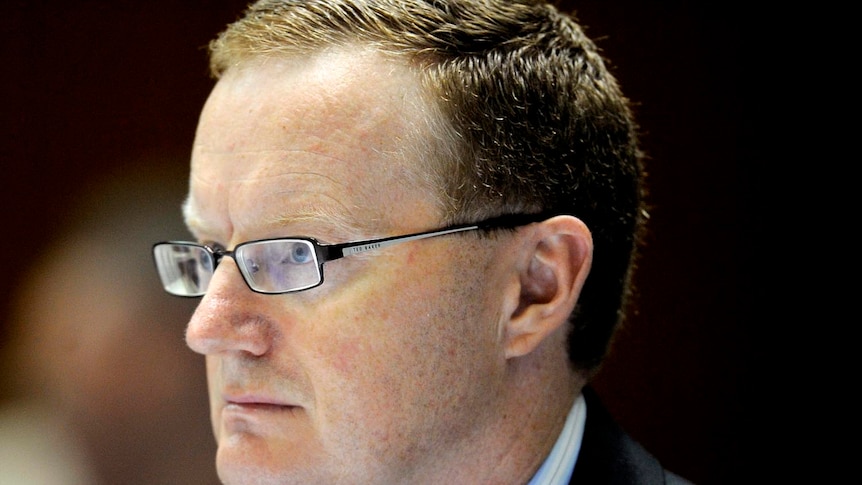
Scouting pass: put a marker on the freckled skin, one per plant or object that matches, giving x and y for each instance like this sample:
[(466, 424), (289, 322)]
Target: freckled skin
[(394, 366)]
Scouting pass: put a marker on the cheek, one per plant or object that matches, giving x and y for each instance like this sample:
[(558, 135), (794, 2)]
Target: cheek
[(346, 354), (213, 387), (352, 353), (407, 338)]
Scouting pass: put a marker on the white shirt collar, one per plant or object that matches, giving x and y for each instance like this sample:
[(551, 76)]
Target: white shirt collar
[(558, 466)]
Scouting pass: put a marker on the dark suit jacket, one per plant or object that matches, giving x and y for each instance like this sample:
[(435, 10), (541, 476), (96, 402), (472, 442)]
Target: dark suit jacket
[(608, 456)]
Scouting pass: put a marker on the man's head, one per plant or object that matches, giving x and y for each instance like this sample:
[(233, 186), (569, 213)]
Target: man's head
[(440, 359), (525, 118)]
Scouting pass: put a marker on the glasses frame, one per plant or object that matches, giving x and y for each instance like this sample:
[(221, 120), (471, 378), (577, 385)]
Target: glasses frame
[(325, 253)]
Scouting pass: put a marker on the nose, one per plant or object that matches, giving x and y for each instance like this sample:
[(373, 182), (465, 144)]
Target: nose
[(228, 317)]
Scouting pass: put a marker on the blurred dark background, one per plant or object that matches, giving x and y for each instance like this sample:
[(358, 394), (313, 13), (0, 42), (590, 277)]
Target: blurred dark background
[(92, 88)]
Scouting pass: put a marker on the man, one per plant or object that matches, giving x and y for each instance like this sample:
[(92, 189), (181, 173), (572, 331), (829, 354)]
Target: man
[(416, 223)]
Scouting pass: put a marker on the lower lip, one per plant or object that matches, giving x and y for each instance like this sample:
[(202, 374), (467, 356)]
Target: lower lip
[(249, 417)]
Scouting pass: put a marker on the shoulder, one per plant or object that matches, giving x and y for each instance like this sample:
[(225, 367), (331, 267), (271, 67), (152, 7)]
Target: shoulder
[(610, 456), (674, 479)]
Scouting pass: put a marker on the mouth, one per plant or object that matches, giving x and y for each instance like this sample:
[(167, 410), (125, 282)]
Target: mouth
[(256, 406), (250, 403), (251, 414)]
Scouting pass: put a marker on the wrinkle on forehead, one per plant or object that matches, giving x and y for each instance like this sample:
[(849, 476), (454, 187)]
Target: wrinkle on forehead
[(331, 139), (262, 202)]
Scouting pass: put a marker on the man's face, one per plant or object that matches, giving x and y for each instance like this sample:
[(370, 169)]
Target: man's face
[(387, 371)]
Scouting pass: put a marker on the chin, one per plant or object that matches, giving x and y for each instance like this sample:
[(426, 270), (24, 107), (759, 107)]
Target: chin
[(251, 460), (237, 472)]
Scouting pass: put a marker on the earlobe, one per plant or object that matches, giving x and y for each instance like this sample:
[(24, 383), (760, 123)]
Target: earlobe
[(557, 260)]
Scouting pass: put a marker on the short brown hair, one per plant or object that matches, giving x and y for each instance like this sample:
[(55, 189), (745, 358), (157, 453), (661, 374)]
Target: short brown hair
[(534, 121)]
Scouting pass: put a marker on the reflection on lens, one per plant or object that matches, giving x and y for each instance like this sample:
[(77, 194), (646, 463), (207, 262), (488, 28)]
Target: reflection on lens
[(184, 269), (279, 265)]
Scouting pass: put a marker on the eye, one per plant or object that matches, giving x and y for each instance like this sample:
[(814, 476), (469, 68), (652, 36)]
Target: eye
[(252, 266), (299, 253)]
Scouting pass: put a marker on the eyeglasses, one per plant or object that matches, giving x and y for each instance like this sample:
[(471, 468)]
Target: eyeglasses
[(285, 265)]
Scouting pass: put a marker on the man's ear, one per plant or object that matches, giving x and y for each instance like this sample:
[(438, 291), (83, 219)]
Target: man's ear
[(557, 256)]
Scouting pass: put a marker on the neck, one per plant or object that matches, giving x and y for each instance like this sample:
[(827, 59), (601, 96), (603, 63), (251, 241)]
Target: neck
[(539, 390)]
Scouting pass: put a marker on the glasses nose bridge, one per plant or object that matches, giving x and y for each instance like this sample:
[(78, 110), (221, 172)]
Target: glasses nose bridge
[(218, 255)]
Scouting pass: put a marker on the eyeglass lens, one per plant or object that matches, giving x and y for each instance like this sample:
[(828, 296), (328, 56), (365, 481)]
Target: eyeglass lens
[(271, 266), (185, 269), (278, 265)]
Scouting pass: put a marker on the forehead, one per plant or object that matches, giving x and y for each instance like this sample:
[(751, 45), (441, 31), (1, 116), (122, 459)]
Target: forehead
[(332, 138)]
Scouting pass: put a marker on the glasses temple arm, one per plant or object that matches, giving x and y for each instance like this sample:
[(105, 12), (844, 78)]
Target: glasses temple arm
[(362, 246), (510, 221)]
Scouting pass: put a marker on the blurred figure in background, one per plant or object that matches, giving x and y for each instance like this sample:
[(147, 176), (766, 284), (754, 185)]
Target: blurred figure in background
[(100, 386)]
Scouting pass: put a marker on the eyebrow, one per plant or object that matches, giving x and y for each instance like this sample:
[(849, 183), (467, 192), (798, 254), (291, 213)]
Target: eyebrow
[(328, 223), (194, 222)]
